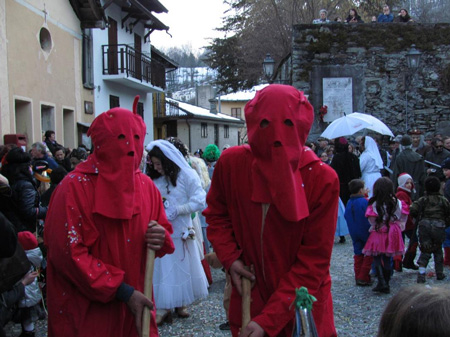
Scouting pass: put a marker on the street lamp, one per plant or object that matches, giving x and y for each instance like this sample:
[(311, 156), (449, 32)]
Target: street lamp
[(268, 67), (413, 58), (412, 61)]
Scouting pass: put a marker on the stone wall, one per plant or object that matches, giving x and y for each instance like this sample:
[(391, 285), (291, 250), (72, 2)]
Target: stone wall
[(374, 56)]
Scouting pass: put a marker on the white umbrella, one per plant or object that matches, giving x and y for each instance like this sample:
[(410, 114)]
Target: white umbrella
[(354, 122)]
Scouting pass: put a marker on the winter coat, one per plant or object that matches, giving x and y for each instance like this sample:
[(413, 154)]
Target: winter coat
[(23, 208), (433, 206), (358, 225), (32, 291), (347, 167), (406, 198)]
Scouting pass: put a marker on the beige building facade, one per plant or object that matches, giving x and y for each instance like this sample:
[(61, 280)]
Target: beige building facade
[(41, 86)]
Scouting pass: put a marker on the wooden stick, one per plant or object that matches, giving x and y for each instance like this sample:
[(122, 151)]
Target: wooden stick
[(246, 299), (148, 291)]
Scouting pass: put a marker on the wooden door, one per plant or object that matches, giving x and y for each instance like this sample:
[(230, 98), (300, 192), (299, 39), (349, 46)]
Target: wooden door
[(112, 49), (138, 56)]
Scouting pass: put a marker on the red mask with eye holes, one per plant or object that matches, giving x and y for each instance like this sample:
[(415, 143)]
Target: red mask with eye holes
[(279, 119), (118, 142)]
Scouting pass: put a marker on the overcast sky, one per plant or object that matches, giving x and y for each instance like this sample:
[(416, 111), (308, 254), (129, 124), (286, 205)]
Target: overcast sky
[(191, 22)]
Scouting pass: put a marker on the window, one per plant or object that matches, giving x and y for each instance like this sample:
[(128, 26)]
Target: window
[(236, 112), (140, 109), (114, 101), (204, 132), (45, 39), (88, 71), (226, 131)]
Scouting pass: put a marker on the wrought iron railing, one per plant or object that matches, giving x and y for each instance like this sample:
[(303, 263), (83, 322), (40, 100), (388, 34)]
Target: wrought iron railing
[(123, 59)]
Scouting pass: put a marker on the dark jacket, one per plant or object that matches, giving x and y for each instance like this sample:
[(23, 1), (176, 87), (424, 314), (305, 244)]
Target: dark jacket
[(53, 146), (65, 163), (433, 206), (358, 19), (23, 208), (347, 167), (437, 158), (8, 237)]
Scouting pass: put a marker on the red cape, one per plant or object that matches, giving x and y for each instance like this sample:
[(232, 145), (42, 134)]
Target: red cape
[(90, 255), (286, 255)]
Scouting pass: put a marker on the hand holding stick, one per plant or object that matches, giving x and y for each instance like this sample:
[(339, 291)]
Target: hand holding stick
[(148, 289), (246, 299)]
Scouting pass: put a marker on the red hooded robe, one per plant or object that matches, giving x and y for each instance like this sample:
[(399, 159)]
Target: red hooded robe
[(95, 233), (292, 247)]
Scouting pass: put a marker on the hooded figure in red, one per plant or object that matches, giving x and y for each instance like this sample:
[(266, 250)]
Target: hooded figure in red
[(102, 218), (272, 206)]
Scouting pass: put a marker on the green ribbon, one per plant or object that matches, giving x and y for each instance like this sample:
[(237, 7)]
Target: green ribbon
[(303, 300)]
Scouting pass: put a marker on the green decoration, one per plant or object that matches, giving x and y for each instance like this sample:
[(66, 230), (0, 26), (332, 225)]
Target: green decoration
[(303, 300)]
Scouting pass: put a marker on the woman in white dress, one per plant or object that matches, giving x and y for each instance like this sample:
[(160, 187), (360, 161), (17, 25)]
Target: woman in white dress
[(370, 162), (179, 278)]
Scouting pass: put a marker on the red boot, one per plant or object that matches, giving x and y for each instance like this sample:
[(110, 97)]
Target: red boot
[(398, 263), (363, 278), (357, 263), (446, 256)]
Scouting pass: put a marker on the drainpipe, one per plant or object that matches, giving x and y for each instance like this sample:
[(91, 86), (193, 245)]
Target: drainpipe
[(189, 132)]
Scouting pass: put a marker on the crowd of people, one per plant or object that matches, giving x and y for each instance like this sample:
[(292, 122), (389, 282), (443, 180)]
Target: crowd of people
[(354, 17), (265, 212), (412, 177)]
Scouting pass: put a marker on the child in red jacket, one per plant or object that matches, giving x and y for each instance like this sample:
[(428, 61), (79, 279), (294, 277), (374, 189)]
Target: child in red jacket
[(405, 187)]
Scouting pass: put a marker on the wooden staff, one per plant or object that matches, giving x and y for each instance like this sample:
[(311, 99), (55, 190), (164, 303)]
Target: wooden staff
[(148, 291), (246, 299)]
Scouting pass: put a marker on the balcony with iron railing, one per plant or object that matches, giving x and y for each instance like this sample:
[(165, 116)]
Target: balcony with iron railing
[(130, 67)]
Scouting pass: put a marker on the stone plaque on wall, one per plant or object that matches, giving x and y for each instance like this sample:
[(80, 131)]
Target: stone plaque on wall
[(337, 96), (354, 92)]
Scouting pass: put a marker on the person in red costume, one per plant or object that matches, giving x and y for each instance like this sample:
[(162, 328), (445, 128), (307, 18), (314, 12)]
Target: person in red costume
[(272, 207), (102, 219)]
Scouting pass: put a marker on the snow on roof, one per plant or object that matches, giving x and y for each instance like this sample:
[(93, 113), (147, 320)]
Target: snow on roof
[(244, 95), (200, 112)]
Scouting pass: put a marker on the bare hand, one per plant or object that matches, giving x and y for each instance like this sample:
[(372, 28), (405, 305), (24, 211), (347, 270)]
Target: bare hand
[(237, 271), (29, 278), (136, 304), (253, 329), (155, 236)]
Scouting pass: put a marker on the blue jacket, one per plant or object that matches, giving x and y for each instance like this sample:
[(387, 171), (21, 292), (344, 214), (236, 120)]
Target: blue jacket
[(385, 18), (358, 225)]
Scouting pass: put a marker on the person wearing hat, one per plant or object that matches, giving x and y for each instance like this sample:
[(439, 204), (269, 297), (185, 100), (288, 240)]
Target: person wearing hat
[(409, 161), (446, 169), (404, 190), (323, 143), (418, 143), (394, 150)]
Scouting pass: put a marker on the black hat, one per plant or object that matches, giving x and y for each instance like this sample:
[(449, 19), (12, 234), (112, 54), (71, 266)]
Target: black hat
[(406, 140), (446, 163)]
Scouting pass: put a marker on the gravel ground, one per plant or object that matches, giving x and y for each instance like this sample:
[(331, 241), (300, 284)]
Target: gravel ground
[(357, 310)]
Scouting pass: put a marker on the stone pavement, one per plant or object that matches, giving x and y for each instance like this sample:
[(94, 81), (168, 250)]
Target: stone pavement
[(357, 310)]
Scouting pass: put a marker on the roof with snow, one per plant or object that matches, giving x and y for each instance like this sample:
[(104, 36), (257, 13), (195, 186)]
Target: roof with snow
[(245, 95), (178, 108)]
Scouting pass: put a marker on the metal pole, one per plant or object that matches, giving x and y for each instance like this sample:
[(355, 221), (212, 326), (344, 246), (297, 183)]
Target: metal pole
[(406, 111)]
